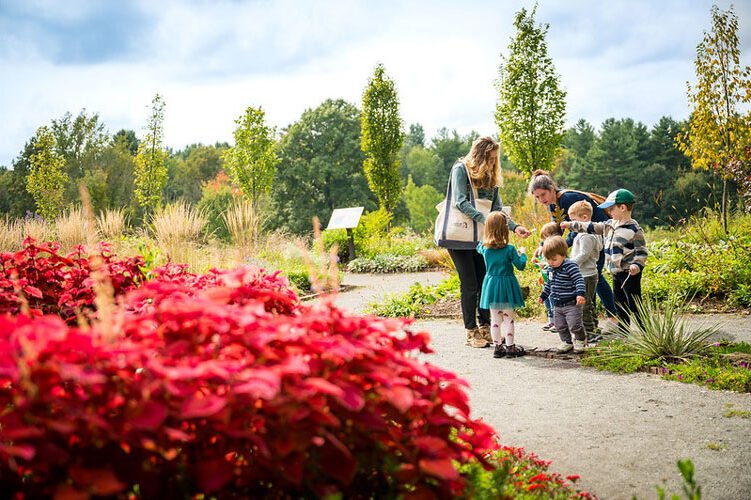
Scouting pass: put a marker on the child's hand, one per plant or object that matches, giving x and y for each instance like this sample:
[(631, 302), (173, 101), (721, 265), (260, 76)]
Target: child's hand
[(538, 252), (522, 250), (539, 300), (565, 224), (634, 269), (580, 300)]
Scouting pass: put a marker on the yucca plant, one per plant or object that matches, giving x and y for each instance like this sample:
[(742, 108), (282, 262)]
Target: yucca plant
[(111, 223), (72, 228), (176, 227), (658, 333)]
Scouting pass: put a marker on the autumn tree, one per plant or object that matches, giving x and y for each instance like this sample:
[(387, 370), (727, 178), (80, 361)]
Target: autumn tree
[(381, 138), (252, 161), (47, 179), (531, 106), (718, 132), (150, 168)]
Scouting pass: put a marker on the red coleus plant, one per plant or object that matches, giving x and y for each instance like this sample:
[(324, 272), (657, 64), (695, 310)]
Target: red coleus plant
[(38, 280), (225, 384)]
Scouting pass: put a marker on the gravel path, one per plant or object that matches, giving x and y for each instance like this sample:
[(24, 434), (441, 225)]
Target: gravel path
[(622, 433)]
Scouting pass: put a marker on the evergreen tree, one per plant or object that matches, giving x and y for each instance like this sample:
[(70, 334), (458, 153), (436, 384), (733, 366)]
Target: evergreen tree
[(381, 138), (531, 106)]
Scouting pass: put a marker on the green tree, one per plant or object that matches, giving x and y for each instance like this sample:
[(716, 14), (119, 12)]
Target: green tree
[(15, 200), (189, 169), (449, 146), (531, 106), (382, 138), (47, 179), (719, 129), (320, 168), (415, 137), (421, 202), (128, 138), (423, 166), (252, 161), (151, 171)]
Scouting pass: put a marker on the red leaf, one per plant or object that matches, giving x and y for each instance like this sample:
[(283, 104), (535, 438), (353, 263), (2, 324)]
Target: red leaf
[(151, 416), (399, 396), (264, 384), (97, 481), (67, 492), (24, 451), (199, 406), (33, 291), (440, 467), (213, 474)]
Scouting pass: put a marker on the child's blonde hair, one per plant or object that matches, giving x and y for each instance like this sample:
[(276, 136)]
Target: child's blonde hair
[(496, 230), (550, 229), (580, 208), (555, 245)]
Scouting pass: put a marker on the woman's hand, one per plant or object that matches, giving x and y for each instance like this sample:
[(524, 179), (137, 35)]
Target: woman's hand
[(522, 232)]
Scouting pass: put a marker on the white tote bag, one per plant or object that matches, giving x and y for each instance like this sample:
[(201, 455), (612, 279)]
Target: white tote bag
[(453, 229)]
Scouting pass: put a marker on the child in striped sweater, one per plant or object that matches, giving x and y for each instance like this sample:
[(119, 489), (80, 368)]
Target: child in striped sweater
[(565, 288), (625, 250)]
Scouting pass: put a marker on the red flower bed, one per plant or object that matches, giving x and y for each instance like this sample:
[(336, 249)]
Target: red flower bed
[(50, 283), (224, 384)]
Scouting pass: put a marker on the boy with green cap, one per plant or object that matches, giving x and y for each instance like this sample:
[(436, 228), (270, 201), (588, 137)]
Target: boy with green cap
[(625, 249)]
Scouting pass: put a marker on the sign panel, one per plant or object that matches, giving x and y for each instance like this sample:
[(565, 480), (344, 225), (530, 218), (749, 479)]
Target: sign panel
[(344, 218)]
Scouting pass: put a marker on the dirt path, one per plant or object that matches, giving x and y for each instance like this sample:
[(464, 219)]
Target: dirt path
[(622, 433)]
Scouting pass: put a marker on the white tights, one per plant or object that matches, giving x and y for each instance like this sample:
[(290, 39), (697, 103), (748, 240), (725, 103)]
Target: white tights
[(502, 325)]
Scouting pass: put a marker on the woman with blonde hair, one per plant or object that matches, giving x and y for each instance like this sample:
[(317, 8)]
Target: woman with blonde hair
[(481, 170)]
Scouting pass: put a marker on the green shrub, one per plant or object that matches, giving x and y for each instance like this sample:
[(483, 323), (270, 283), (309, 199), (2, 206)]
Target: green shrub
[(421, 202), (411, 303), (387, 264), (218, 196), (339, 238)]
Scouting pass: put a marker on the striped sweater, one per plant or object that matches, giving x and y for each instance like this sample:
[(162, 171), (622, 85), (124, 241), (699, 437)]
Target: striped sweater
[(624, 242), (564, 284)]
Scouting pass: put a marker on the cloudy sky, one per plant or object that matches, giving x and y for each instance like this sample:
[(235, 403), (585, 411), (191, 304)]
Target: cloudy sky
[(211, 59)]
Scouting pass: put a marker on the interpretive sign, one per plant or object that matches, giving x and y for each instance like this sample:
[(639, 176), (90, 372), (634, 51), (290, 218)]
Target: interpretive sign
[(345, 218)]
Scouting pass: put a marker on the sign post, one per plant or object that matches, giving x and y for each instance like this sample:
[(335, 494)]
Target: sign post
[(346, 218)]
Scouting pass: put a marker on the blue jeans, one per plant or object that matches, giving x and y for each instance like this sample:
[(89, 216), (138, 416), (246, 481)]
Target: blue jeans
[(549, 309), (606, 296)]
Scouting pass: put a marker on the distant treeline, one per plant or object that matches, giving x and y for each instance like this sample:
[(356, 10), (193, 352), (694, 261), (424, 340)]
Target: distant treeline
[(321, 169)]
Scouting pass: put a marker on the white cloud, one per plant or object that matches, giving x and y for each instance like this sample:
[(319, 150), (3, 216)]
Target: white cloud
[(210, 60)]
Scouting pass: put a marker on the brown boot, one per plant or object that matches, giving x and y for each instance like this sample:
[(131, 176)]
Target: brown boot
[(477, 340), (485, 334), (471, 336)]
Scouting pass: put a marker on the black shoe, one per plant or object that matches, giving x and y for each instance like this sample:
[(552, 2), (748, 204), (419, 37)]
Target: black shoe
[(514, 351), (500, 351)]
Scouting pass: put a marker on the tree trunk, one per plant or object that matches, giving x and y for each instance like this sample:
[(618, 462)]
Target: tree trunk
[(725, 205)]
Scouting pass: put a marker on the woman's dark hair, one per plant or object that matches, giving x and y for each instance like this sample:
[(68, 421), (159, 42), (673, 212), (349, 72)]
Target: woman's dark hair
[(541, 180)]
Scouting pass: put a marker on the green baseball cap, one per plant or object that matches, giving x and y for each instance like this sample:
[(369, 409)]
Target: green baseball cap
[(618, 196)]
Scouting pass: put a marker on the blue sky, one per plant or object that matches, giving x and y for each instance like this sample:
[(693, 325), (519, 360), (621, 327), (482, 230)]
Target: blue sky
[(210, 59)]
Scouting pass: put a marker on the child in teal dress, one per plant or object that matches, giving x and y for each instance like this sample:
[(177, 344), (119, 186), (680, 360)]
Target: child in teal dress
[(500, 291)]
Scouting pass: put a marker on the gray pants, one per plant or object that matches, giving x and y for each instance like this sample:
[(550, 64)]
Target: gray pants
[(568, 320), (590, 312)]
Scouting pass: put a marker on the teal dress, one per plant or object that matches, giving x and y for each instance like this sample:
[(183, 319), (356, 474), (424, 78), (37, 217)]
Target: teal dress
[(500, 288)]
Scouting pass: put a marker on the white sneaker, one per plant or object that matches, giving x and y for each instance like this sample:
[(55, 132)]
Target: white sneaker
[(564, 348), (578, 346)]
